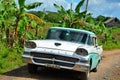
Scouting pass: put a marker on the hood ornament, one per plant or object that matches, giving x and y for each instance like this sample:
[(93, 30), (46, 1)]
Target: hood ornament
[(57, 44)]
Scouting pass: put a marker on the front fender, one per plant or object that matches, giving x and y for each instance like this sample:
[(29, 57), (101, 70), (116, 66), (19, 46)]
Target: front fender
[(94, 59)]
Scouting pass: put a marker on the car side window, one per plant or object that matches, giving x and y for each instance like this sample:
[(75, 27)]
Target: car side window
[(94, 41), (89, 41), (84, 38), (96, 44)]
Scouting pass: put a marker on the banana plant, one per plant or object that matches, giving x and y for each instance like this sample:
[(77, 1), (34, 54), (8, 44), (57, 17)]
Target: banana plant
[(22, 14), (7, 19), (70, 16), (35, 21)]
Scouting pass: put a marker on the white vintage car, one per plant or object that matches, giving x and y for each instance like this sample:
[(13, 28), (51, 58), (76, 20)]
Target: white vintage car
[(64, 48)]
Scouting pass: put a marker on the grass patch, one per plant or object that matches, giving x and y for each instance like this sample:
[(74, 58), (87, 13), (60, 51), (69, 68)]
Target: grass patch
[(111, 45), (10, 58)]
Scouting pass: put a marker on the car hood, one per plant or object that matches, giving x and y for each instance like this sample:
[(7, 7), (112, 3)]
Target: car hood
[(57, 45)]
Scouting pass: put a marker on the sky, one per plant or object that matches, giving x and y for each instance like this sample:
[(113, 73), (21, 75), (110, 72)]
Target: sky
[(108, 8)]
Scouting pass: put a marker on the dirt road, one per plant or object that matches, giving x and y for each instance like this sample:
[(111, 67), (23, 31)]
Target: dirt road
[(109, 69)]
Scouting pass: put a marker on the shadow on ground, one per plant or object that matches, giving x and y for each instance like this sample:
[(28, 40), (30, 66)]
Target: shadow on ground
[(42, 74)]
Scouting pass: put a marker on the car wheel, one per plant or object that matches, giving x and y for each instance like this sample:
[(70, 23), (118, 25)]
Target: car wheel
[(32, 68), (83, 76)]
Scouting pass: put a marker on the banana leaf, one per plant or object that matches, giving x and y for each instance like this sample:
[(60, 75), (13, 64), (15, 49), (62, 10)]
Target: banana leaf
[(33, 5)]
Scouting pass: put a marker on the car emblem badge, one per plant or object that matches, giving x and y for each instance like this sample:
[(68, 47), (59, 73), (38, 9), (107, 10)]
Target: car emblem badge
[(53, 59), (57, 44)]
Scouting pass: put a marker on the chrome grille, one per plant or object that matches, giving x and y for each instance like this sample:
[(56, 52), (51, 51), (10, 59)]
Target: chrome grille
[(55, 62), (60, 60), (58, 57)]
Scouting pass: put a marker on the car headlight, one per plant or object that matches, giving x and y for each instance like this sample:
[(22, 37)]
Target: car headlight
[(30, 44), (81, 51)]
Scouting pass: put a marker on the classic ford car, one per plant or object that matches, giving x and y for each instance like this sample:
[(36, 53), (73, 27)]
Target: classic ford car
[(64, 48)]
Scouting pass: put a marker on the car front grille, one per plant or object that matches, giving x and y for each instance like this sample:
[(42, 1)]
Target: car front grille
[(60, 60), (53, 62)]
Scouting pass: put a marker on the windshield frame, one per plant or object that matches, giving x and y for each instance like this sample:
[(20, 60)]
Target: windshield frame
[(68, 31)]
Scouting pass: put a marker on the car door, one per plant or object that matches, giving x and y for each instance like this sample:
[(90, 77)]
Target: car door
[(94, 52), (96, 56)]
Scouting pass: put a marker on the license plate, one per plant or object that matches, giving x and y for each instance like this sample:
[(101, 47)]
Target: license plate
[(53, 66)]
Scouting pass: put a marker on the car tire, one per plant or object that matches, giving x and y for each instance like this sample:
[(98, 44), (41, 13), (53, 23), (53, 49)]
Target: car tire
[(32, 68), (83, 76)]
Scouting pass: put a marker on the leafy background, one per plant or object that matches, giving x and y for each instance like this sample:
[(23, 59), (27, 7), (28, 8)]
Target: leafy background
[(18, 25)]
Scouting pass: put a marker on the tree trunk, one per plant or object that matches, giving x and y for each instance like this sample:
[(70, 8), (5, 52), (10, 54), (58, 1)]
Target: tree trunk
[(36, 32), (16, 30), (8, 36)]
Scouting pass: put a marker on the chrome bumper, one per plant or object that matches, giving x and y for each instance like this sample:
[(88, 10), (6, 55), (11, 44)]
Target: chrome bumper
[(59, 64)]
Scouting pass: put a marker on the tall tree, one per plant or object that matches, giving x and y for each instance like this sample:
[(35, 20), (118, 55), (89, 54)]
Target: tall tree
[(22, 13), (8, 11), (71, 16)]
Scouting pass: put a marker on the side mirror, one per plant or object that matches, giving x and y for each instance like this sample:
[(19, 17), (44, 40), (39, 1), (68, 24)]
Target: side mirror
[(96, 45)]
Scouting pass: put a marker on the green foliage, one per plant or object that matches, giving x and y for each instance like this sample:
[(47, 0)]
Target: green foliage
[(69, 16), (53, 17), (14, 27), (61, 10), (20, 30), (32, 5), (101, 18), (80, 4), (10, 58), (8, 12), (21, 3), (110, 45)]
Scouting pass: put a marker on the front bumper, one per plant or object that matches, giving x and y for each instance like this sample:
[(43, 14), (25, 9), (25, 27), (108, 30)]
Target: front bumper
[(58, 62)]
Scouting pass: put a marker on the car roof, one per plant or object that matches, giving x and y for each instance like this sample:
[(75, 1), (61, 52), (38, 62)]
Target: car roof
[(72, 29)]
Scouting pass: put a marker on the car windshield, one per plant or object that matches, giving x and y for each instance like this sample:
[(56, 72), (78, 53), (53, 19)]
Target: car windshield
[(67, 35)]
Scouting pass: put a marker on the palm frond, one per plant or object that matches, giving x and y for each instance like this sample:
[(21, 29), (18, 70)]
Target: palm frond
[(21, 3), (33, 5), (77, 9), (34, 17), (58, 7)]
